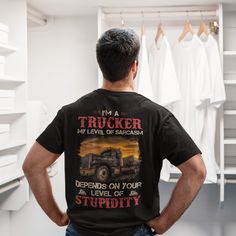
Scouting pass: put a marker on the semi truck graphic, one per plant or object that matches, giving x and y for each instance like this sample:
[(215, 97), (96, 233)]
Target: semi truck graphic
[(108, 164)]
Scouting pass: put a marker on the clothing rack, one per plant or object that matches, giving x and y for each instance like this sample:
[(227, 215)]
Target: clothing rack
[(135, 15), (163, 13)]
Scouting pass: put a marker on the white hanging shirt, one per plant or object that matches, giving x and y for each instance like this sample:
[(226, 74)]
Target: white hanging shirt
[(192, 70), (143, 82), (217, 98), (217, 88), (164, 83), (164, 80)]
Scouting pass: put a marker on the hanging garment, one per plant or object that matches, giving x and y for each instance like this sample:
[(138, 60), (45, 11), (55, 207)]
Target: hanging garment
[(164, 83), (163, 76), (143, 83), (218, 88), (192, 70), (207, 144)]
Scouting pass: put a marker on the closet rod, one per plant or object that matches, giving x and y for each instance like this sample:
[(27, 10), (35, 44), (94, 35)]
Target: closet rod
[(156, 15), (175, 11)]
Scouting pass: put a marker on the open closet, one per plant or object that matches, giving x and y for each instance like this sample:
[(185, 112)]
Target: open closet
[(177, 23)]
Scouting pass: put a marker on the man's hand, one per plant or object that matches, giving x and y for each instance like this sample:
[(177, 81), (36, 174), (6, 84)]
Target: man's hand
[(156, 224), (63, 220), (193, 176)]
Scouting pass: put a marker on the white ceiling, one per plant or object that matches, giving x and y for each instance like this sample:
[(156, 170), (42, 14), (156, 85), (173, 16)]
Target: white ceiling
[(87, 7)]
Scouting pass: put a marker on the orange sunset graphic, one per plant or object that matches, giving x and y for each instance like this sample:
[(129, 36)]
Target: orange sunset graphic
[(128, 146)]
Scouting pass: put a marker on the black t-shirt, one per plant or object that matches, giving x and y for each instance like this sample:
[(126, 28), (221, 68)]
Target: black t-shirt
[(114, 144)]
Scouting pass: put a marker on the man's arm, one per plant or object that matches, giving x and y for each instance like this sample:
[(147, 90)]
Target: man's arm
[(35, 169), (193, 176)]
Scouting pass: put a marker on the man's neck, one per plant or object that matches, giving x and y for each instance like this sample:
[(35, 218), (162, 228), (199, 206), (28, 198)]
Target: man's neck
[(117, 86)]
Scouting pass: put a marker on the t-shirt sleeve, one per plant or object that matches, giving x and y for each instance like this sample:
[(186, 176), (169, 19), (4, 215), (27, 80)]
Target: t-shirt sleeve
[(52, 138), (175, 143)]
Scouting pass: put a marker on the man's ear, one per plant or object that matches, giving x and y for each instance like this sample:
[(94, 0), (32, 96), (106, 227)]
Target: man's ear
[(134, 66)]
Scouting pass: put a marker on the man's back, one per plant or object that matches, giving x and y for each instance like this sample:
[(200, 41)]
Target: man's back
[(113, 159), (110, 176)]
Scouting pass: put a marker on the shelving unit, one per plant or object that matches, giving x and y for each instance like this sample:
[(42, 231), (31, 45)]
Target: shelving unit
[(229, 112), (14, 189)]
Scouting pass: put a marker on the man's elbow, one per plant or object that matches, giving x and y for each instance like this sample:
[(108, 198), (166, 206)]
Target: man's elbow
[(29, 167), (201, 172), (26, 167), (194, 168)]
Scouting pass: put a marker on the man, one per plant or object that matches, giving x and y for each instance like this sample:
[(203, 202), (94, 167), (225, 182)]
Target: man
[(114, 141)]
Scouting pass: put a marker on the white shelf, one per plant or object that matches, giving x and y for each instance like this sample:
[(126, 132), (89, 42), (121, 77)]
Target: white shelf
[(230, 72), (230, 141), (8, 79), (10, 185), (229, 112), (230, 53), (6, 49), (175, 170), (9, 178), (14, 144), (173, 180), (230, 170), (11, 112), (232, 81)]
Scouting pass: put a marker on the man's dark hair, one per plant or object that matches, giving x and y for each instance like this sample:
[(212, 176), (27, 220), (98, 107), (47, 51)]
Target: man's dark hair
[(116, 51)]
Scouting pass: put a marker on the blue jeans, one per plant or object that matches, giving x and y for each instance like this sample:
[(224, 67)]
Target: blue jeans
[(143, 231)]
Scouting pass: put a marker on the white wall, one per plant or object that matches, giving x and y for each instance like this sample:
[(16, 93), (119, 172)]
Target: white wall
[(62, 68)]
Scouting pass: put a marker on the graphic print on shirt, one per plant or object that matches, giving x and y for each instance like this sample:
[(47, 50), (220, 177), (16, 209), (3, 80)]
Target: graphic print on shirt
[(112, 158), (109, 174)]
